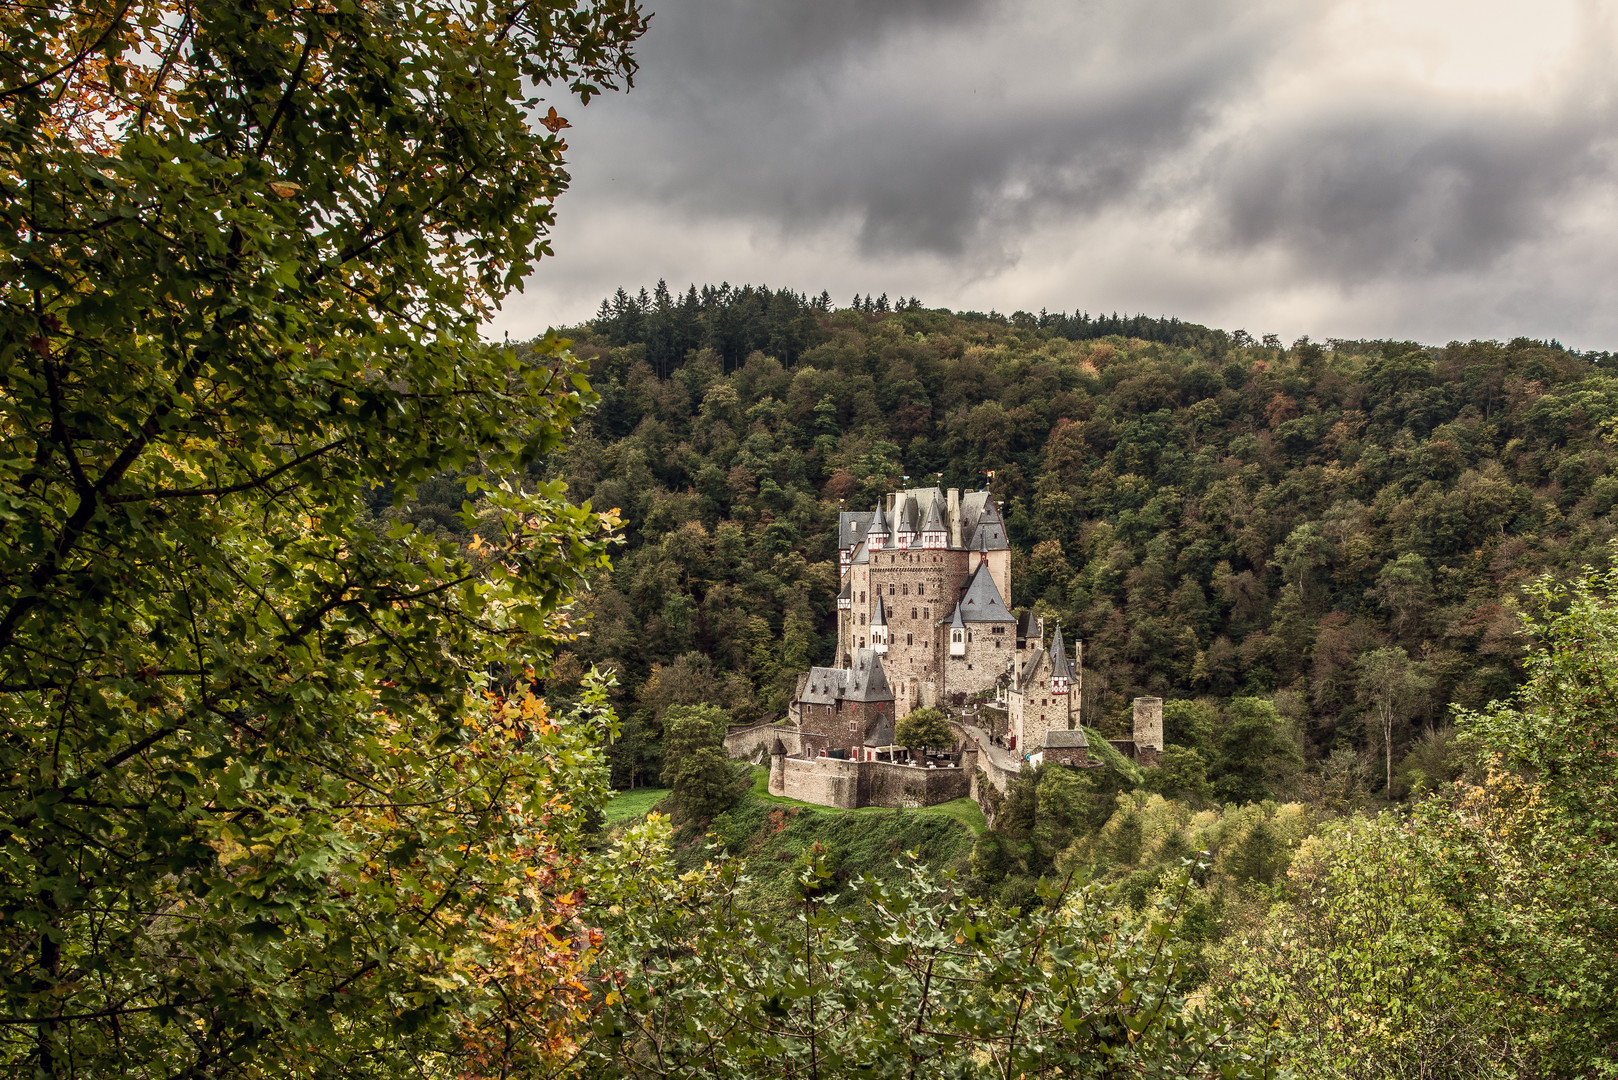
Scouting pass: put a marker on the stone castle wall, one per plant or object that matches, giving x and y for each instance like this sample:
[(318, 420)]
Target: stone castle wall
[(744, 742), (851, 784)]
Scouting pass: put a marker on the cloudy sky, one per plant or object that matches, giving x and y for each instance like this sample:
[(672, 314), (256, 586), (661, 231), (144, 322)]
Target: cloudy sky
[(1428, 169)]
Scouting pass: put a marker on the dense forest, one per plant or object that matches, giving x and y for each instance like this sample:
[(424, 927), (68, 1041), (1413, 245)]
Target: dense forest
[(1335, 527)]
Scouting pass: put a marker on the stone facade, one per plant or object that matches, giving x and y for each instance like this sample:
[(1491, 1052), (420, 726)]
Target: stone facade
[(851, 784), (1147, 745), (922, 619), (1046, 697)]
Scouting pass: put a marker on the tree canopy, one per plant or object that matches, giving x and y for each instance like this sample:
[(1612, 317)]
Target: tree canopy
[(272, 771)]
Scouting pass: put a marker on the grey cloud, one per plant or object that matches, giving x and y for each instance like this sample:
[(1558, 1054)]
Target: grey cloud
[(1382, 190), (924, 155), (976, 142)]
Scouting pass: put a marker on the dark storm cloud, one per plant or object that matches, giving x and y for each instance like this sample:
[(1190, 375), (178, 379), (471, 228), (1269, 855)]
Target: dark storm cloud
[(800, 113), (1385, 190), (1234, 161)]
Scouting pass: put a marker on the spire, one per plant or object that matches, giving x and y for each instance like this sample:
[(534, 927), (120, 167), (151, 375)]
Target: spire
[(876, 537), (933, 534), (1059, 661), (879, 627), (1061, 670)]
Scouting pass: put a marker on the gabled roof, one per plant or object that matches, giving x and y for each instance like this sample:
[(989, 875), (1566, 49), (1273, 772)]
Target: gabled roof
[(935, 519), (981, 601), (1030, 669), (879, 617), (907, 512), (824, 687), (866, 679), (990, 532), (880, 733), (1063, 738), (851, 526), (861, 556), (1060, 668)]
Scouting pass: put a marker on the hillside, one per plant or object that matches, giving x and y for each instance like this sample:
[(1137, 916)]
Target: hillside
[(1213, 516)]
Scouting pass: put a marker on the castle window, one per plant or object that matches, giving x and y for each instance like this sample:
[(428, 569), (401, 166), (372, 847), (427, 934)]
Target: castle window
[(906, 589), (862, 596), (910, 639), (912, 613), (921, 590), (969, 635), (891, 591), (926, 613)]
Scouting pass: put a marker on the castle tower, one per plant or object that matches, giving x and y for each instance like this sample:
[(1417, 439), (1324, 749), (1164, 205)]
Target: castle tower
[(876, 538), (879, 628), (905, 513), (1148, 730), (957, 635), (934, 536), (1061, 671)]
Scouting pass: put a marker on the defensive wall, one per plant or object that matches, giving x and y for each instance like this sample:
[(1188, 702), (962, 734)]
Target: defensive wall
[(744, 742), (851, 784)]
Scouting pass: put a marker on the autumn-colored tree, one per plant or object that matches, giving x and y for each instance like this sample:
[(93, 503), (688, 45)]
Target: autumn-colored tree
[(260, 817)]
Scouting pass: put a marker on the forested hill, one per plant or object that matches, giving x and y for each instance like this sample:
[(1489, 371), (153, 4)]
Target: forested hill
[(1211, 515)]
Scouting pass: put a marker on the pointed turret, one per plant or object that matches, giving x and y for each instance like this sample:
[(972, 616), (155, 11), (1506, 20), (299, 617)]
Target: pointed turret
[(934, 536), (991, 529), (957, 635), (876, 537), (879, 627), (905, 512), (1061, 670)]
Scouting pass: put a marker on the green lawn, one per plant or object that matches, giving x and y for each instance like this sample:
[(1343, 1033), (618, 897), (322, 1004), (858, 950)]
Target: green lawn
[(964, 811), (632, 804)]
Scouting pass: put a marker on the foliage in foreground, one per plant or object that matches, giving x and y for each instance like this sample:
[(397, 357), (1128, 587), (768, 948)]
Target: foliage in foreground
[(257, 817), (1476, 938), (915, 981)]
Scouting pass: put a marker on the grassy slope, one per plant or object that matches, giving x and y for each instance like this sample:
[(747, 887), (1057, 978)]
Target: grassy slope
[(776, 836), (628, 805)]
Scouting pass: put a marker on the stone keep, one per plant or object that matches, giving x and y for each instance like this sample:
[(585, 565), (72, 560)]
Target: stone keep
[(1148, 730)]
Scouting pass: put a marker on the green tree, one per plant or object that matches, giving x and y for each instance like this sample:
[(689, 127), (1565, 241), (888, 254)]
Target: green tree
[(1181, 773), (273, 773), (925, 729), (1529, 857), (1254, 750), (918, 981), (704, 780), (1363, 965), (1389, 685)]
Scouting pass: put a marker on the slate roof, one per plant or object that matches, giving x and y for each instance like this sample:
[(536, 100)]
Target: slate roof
[(879, 521), (982, 602), (867, 681), (848, 591), (935, 519), (1060, 668), (879, 617), (1030, 669), (907, 512), (990, 534), (861, 556), (851, 526), (881, 732), (1062, 738), (825, 686)]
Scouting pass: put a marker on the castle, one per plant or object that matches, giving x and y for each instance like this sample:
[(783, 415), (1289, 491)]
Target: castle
[(923, 619)]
